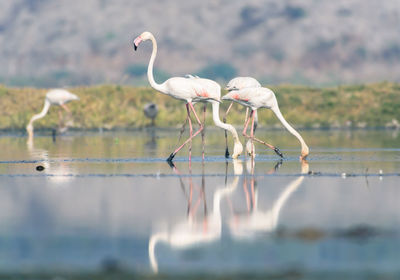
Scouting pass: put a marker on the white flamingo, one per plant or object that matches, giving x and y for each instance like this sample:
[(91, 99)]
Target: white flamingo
[(190, 91), (260, 97), (58, 97), (189, 232), (241, 83)]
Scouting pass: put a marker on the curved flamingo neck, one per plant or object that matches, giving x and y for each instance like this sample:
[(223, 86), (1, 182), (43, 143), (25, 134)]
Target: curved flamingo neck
[(43, 113), (150, 75), (217, 121), (237, 148), (278, 114)]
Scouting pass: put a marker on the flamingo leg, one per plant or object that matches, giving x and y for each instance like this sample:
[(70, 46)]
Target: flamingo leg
[(226, 135), (182, 129), (66, 108), (172, 155), (60, 118), (69, 122), (252, 134), (246, 124), (190, 135), (203, 131), (275, 149)]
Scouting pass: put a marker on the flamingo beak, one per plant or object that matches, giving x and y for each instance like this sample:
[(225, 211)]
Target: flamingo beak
[(136, 42)]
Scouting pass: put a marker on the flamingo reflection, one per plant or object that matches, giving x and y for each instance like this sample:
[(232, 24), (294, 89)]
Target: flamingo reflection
[(59, 171), (256, 220), (191, 232)]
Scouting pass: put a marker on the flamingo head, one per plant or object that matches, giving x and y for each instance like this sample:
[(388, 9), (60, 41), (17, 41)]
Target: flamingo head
[(242, 82), (305, 167), (237, 149), (304, 152), (74, 97), (141, 38), (231, 85)]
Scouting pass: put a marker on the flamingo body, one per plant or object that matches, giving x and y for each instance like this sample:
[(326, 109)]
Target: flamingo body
[(242, 82), (191, 90), (60, 96)]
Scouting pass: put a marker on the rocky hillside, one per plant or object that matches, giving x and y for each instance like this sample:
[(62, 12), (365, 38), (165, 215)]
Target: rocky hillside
[(71, 42)]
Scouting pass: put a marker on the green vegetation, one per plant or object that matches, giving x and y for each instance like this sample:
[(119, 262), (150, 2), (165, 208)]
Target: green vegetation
[(114, 106)]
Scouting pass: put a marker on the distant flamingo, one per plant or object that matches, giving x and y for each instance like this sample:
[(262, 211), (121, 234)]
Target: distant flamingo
[(255, 98), (58, 97), (241, 83), (190, 91)]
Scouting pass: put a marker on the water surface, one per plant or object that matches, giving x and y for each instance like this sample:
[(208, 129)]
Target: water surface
[(110, 201)]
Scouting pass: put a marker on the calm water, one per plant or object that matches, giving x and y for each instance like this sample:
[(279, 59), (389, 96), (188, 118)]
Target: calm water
[(109, 201)]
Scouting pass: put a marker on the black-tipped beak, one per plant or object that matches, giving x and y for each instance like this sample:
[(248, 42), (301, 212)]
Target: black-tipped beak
[(134, 46)]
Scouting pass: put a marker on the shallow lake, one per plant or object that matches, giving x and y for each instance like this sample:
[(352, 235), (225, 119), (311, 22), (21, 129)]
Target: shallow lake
[(110, 202)]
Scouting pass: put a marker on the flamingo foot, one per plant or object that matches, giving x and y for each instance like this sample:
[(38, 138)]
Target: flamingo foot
[(278, 152), (226, 153), (278, 165), (171, 164), (170, 158), (302, 158)]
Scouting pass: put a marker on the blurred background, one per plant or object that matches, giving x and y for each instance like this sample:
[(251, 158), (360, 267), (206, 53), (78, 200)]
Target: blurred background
[(320, 42)]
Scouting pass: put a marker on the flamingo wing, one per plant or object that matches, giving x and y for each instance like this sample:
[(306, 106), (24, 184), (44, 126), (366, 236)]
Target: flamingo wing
[(188, 89), (242, 82), (60, 96), (252, 97)]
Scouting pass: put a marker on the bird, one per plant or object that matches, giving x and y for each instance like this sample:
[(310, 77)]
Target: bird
[(240, 83), (190, 91), (261, 97), (59, 97), (151, 110)]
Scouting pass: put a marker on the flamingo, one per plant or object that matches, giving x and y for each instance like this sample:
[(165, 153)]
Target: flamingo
[(240, 83), (260, 97), (58, 97), (189, 91)]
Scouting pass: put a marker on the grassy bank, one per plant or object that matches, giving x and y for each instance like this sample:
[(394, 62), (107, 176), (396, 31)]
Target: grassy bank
[(111, 106)]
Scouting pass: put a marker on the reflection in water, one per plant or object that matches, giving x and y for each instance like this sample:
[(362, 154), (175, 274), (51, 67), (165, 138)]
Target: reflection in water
[(190, 231), (193, 232), (255, 220), (58, 172), (151, 143)]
